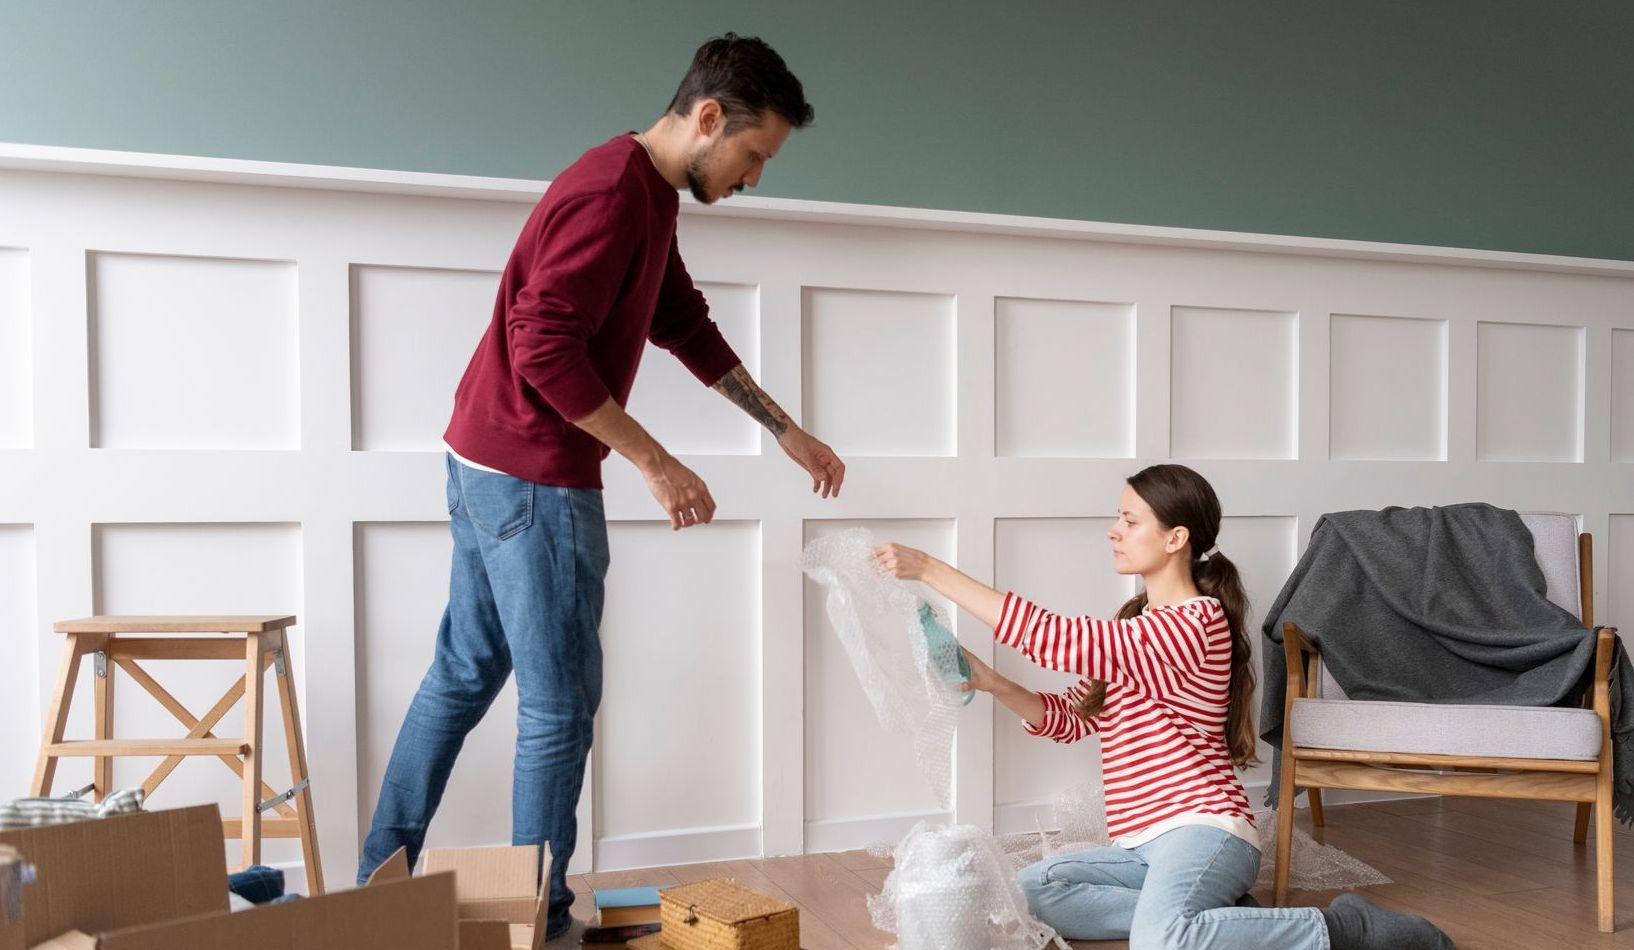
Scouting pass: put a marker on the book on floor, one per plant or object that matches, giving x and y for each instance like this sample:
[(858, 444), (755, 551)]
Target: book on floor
[(618, 935), (628, 905)]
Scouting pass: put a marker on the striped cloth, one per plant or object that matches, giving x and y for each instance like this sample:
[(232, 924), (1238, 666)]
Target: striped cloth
[(34, 812), (1162, 728)]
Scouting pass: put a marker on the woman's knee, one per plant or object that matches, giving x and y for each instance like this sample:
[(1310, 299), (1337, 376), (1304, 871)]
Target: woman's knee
[(1033, 879)]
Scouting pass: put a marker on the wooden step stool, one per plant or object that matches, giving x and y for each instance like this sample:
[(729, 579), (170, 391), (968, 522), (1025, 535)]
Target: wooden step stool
[(258, 642)]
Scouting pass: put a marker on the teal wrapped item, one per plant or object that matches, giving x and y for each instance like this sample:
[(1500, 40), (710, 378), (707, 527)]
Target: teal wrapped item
[(944, 651)]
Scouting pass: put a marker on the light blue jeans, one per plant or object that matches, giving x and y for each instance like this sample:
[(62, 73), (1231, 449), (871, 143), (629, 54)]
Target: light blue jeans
[(1175, 892), (525, 596)]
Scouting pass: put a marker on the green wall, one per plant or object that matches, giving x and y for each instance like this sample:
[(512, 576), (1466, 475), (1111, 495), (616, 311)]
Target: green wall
[(1493, 124)]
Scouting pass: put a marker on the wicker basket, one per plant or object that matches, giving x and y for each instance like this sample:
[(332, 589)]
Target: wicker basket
[(722, 914)]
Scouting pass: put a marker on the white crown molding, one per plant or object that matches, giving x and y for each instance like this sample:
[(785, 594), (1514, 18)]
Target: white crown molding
[(52, 158)]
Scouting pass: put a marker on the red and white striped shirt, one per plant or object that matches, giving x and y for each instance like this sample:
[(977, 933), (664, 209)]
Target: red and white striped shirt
[(1168, 677)]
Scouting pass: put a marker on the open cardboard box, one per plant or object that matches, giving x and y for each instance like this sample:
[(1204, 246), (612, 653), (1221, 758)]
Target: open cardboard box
[(108, 873), (501, 892), (158, 880)]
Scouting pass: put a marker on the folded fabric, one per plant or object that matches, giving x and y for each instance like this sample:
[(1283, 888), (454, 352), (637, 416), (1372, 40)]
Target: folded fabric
[(34, 812), (257, 884)]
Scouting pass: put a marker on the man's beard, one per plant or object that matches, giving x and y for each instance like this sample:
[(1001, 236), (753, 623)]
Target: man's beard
[(697, 171)]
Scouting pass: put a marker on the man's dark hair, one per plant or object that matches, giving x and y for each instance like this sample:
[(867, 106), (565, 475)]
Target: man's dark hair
[(747, 78)]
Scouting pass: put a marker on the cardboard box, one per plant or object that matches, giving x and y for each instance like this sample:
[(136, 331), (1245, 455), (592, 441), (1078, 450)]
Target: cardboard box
[(159, 880), (11, 899), (491, 885), (109, 873), (400, 915)]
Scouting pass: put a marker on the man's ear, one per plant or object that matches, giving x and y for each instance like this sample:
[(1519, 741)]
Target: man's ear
[(708, 117)]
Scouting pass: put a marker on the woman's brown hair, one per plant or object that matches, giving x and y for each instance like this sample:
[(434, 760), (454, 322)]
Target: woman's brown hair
[(1181, 498)]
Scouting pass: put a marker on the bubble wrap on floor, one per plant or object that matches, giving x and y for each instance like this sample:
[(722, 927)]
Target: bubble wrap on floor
[(876, 618), (952, 888), (1080, 815)]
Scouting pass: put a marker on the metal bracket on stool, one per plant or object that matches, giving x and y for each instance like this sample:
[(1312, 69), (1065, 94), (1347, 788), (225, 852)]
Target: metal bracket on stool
[(277, 800), (101, 662), (278, 663)]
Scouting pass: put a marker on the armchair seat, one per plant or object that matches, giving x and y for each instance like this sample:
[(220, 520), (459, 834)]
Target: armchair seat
[(1523, 732)]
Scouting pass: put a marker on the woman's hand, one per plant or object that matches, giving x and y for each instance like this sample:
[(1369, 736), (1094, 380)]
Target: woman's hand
[(903, 562), (983, 678)]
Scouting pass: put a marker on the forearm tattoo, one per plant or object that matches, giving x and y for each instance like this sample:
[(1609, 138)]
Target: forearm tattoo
[(741, 388)]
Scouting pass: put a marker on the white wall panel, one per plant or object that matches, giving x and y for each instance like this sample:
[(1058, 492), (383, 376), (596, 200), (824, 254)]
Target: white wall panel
[(1265, 550), (678, 735), (844, 739), (879, 371), (193, 353), (686, 417), (16, 351), (1388, 388), (26, 649), (1236, 374), (199, 569), (1531, 393), (1618, 548), (1065, 565), (402, 588), (413, 331), (1065, 377), (1622, 395)]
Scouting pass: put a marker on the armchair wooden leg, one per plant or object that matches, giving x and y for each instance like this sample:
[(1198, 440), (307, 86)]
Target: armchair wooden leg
[(1580, 832), (1315, 797), (1285, 833), (1602, 856)]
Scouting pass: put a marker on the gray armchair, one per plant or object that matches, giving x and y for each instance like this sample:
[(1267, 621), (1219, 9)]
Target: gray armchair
[(1529, 752)]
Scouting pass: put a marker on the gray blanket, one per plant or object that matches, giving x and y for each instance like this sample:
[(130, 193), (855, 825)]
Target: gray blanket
[(1438, 605)]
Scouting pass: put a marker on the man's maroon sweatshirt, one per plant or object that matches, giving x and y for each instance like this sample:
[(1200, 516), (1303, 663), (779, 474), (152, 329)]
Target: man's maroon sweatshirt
[(595, 274)]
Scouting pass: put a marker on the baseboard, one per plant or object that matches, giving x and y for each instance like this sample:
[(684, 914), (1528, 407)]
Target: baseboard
[(689, 846), (849, 834)]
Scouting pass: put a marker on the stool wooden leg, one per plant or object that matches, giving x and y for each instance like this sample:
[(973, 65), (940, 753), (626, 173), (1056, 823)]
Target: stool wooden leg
[(56, 715), (104, 721), (251, 832), (297, 768)]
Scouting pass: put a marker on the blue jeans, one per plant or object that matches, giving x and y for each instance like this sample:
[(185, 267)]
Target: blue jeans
[(1175, 892), (525, 596)]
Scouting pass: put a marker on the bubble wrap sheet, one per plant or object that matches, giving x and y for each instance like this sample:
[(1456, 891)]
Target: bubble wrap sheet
[(1080, 814), (952, 888), (876, 618)]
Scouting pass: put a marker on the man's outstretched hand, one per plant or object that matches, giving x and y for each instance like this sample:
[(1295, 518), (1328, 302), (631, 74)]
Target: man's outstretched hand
[(825, 468)]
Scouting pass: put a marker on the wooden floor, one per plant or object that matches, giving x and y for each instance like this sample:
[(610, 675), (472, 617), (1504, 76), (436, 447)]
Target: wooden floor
[(1495, 875)]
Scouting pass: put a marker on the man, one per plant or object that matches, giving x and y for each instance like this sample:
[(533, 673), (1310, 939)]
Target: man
[(595, 274)]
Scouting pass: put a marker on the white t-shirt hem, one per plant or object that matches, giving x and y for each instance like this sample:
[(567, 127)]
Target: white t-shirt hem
[(1231, 824)]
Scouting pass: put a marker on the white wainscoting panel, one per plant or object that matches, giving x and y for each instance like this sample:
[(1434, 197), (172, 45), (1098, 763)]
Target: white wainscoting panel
[(16, 351), (678, 736), (1389, 388), (27, 648), (1531, 392), (221, 390), (402, 588), (413, 330), (198, 569), (1064, 565), (843, 737), (1622, 395), (194, 353), (879, 371), (1235, 384), (1065, 378), (683, 415)]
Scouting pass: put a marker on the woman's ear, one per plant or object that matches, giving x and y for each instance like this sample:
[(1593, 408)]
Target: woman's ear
[(1177, 539)]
